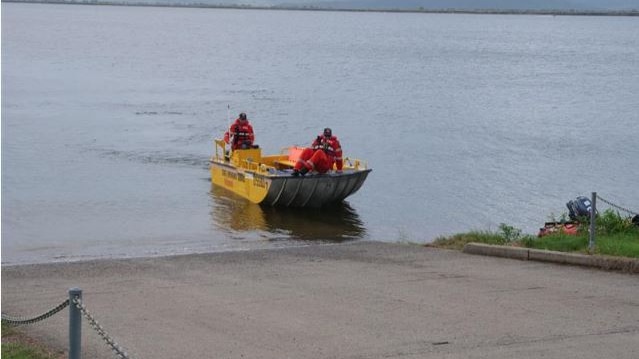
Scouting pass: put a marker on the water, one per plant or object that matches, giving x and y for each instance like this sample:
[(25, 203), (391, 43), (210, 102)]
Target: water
[(468, 121)]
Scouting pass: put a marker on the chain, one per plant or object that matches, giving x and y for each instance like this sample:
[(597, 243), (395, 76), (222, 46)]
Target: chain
[(117, 349), (617, 207), (20, 321)]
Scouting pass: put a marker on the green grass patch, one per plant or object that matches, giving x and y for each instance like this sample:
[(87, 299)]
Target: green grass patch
[(506, 234), (16, 345), (8, 330), (22, 351), (457, 241), (614, 236), (624, 244), (559, 242), (617, 244)]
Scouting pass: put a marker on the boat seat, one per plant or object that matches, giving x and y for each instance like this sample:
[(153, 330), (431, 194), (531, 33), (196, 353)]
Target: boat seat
[(284, 163), (293, 155)]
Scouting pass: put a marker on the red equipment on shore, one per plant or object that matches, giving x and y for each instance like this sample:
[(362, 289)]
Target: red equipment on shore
[(570, 228), (578, 209)]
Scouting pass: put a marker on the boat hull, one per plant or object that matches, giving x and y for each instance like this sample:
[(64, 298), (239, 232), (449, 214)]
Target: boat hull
[(280, 188)]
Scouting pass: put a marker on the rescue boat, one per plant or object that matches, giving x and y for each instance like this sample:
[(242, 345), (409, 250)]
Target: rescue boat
[(269, 179)]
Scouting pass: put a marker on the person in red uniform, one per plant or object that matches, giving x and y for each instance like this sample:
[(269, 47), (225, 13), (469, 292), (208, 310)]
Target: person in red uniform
[(320, 157), (240, 135)]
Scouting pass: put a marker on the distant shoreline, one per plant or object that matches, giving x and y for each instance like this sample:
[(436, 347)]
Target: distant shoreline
[(314, 8)]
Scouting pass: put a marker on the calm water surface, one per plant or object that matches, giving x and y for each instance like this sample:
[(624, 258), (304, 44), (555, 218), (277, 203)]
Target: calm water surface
[(108, 114)]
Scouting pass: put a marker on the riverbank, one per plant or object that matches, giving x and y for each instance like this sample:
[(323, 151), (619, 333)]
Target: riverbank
[(624, 264), (616, 246), (362, 299), (328, 8)]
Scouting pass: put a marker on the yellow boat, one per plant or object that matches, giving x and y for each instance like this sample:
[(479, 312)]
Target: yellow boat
[(269, 179)]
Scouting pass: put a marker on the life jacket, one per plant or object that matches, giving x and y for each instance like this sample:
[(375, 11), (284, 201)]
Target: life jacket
[(241, 133), (332, 148)]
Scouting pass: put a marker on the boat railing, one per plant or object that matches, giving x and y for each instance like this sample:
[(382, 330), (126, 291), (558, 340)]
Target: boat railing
[(220, 145), (355, 163), (224, 154), (255, 166)]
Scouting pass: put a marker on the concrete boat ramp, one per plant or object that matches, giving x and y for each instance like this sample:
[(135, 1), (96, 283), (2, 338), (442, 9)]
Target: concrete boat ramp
[(353, 300)]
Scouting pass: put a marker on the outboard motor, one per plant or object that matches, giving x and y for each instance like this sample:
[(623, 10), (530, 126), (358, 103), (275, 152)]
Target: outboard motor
[(579, 208)]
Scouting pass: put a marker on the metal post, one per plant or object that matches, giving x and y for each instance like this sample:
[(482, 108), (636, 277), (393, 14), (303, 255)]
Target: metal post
[(593, 211), (75, 324)]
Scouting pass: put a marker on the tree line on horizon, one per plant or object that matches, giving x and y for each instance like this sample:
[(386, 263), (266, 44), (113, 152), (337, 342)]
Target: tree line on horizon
[(481, 6)]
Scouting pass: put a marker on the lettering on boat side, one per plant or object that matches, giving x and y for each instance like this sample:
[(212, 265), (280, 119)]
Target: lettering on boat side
[(259, 181), (233, 175)]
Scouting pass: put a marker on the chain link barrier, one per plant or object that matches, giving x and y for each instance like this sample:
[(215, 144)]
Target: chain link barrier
[(117, 349), (21, 321), (616, 206)]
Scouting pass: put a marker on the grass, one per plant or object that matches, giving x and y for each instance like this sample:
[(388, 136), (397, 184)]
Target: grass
[(506, 235), (16, 345), (614, 236), (624, 245), (559, 242), (457, 241)]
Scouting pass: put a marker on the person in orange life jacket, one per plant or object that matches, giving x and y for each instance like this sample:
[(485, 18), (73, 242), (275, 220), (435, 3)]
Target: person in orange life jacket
[(320, 157), (240, 135)]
